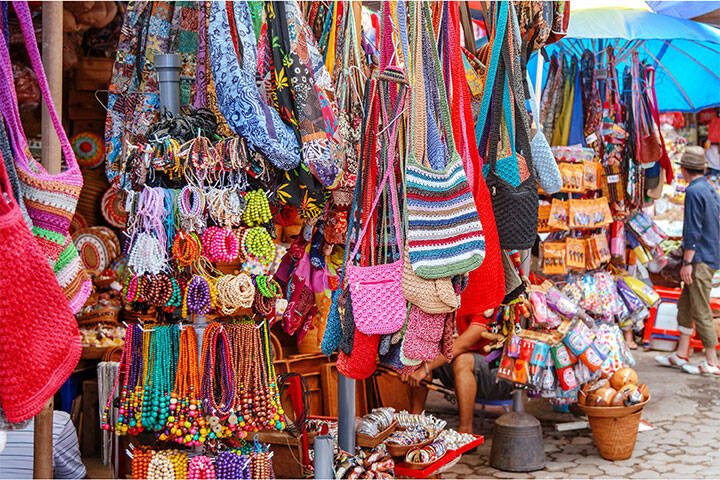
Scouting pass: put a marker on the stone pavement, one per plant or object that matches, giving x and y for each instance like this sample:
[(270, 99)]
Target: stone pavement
[(684, 444)]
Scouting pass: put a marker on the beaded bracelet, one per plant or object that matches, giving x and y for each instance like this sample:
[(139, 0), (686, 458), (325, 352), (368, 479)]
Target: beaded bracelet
[(257, 209), (198, 297), (191, 206), (260, 245), (187, 248), (220, 245)]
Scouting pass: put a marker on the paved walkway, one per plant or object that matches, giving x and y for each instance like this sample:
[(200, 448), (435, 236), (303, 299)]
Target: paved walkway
[(685, 443)]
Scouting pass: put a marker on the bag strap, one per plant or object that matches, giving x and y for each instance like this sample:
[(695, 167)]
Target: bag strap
[(353, 208), (389, 173), (460, 107), (23, 13), (501, 9), (424, 35), (665, 159)]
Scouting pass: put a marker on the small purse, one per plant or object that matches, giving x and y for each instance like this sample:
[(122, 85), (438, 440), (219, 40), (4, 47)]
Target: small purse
[(431, 296), (548, 172), (423, 335), (233, 59)]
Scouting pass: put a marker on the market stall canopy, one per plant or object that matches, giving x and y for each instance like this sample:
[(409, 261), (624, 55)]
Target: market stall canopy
[(686, 54), (706, 12)]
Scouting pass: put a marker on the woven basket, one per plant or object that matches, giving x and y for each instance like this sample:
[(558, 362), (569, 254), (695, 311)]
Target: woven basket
[(615, 429)]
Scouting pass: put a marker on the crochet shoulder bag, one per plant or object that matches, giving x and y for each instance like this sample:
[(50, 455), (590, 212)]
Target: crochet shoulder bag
[(40, 340), (233, 60), (511, 178), (445, 235), (485, 289), (50, 199), (376, 291), (548, 172)]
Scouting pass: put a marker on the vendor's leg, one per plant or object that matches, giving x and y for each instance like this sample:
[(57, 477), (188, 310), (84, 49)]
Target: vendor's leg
[(679, 357), (465, 389), (629, 339), (418, 396), (702, 312)]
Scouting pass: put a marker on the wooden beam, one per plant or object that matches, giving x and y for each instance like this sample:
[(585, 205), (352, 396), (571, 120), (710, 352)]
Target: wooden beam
[(52, 56), (43, 447)]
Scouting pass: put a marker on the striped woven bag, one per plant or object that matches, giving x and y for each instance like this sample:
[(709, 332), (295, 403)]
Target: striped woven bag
[(50, 198), (445, 235)]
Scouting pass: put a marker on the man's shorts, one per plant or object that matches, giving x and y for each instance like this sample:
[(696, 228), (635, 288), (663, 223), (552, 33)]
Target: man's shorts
[(488, 387)]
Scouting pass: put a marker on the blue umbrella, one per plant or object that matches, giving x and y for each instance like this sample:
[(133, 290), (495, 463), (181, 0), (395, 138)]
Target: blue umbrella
[(686, 54)]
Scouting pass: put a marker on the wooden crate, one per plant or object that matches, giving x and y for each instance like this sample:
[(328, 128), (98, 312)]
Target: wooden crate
[(93, 73), (84, 106), (287, 453)]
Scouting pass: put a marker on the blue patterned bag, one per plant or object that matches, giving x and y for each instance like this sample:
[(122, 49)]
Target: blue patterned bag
[(237, 94)]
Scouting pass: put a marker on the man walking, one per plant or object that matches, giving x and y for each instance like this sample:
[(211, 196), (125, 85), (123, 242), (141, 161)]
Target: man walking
[(701, 258)]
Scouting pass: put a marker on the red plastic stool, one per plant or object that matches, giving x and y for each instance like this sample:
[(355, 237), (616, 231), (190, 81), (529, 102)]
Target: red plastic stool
[(671, 295)]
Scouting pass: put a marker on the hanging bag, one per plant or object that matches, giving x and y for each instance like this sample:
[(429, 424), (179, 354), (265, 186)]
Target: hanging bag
[(511, 179), (648, 148), (445, 235), (549, 177), (233, 60), (376, 291), (50, 199), (485, 289), (40, 340)]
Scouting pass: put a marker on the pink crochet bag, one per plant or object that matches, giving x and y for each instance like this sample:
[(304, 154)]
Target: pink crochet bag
[(423, 335), (376, 292), (40, 343), (50, 198)]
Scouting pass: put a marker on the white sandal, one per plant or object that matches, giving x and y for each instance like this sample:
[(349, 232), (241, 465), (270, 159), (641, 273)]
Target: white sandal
[(673, 360), (703, 369)]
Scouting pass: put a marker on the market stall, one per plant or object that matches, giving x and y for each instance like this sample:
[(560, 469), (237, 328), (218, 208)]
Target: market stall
[(283, 202)]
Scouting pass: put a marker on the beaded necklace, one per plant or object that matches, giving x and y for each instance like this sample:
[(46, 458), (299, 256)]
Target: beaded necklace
[(257, 208), (160, 468), (220, 244), (186, 423), (165, 353), (218, 386)]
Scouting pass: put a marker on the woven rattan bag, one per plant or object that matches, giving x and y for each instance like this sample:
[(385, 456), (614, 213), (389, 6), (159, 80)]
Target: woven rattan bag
[(40, 340)]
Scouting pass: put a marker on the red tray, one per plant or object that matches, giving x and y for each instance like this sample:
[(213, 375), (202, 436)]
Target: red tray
[(402, 469)]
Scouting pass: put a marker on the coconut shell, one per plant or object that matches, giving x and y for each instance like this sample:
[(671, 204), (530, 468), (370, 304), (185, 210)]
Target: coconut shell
[(602, 397), (623, 377)]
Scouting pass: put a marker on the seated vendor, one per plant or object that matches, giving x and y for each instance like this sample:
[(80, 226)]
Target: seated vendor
[(469, 374)]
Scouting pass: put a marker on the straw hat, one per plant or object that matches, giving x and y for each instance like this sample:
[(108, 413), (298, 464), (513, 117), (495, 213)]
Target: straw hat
[(693, 158)]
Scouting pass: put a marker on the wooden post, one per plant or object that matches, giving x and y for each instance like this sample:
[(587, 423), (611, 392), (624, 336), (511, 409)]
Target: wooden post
[(43, 451), (52, 56)]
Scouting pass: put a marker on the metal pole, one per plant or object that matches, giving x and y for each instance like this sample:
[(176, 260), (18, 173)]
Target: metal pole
[(323, 446), (346, 413), (168, 73), (52, 55), (42, 437)]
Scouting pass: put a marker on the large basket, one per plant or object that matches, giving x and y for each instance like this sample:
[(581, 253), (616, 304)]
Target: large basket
[(615, 429)]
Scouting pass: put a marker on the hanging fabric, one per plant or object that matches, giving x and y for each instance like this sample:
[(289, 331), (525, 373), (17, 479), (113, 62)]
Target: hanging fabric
[(445, 235), (149, 28), (233, 58), (50, 199)]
